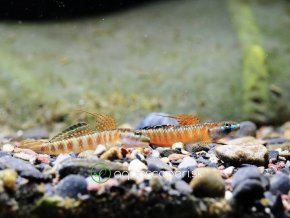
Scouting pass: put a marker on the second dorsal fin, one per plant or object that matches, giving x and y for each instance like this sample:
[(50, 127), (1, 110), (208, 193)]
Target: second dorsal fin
[(184, 119), (75, 130), (103, 121)]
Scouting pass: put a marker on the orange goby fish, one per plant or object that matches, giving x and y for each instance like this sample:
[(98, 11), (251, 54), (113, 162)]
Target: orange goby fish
[(190, 130), (81, 137)]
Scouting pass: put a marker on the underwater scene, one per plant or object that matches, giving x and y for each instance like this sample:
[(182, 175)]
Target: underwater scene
[(145, 108)]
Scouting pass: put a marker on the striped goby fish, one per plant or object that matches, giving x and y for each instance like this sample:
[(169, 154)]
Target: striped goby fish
[(109, 138), (165, 136)]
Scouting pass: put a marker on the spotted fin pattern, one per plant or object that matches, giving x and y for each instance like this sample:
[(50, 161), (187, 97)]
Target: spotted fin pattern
[(75, 130), (103, 121), (184, 119)]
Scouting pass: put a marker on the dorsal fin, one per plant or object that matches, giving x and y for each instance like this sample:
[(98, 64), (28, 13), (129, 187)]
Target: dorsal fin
[(103, 121), (75, 130), (158, 127), (184, 119)]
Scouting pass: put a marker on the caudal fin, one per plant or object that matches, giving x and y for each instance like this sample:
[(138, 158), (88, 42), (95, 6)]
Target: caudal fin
[(34, 145)]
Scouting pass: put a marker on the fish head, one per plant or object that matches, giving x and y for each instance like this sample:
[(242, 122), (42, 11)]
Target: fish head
[(224, 129)]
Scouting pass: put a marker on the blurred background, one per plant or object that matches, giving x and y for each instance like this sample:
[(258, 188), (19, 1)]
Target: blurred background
[(220, 59)]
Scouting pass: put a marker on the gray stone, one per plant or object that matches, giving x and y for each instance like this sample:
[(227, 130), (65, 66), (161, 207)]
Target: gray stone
[(247, 128), (182, 187), (188, 163), (280, 183), (23, 168), (156, 164), (71, 186), (85, 167)]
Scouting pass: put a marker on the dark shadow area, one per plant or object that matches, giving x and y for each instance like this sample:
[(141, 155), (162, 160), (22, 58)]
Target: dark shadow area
[(59, 9)]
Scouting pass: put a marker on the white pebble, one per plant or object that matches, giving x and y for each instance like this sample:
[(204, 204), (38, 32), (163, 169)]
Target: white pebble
[(8, 148), (178, 145), (229, 171), (165, 159), (228, 195), (137, 166), (100, 149), (155, 153)]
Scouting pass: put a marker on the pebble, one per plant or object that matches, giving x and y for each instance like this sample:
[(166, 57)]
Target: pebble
[(8, 148), (247, 128), (100, 150), (168, 152), (207, 182), (85, 166), (153, 119), (156, 183), (86, 154), (248, 185), (4, 153), (137, 166), (174, 157), (8, 177), (24, 168), (273, 156), (277, 140), (168, 176), (155, 164), (155, 153), (113, 153), (275, 203), (280, 183), (178, 145), (243, 154), (265, 132), (165, 159), (229, 171), (182, 186), (247, 140), (71, 186), (248, 191), (244, 173), (188, 163), (25, 156)]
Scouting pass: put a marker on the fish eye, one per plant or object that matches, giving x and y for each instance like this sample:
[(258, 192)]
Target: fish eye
[(227, 124)]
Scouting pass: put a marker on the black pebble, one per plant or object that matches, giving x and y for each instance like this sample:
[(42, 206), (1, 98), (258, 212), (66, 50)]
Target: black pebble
[(280, 183), (167, 152), (248, 191), (249, 185), (71, 186), (276, 204)]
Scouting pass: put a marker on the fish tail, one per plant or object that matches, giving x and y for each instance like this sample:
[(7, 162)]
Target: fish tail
[(34, 145)]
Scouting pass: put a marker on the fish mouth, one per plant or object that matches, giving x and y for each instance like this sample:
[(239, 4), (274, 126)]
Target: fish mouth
[(235, 127)]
